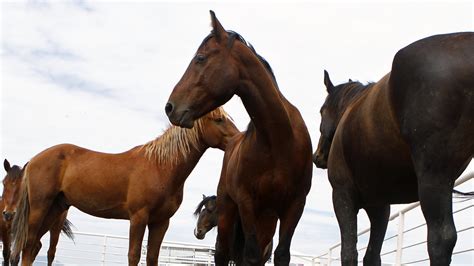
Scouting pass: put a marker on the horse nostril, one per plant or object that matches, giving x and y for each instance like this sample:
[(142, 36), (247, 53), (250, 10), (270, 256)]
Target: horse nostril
[(168, 108)]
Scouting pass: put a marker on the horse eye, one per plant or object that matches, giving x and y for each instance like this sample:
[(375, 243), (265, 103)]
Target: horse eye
[(200, 58), (219, 120)]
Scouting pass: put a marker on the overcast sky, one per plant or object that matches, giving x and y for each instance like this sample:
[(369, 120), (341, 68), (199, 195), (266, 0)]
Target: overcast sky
[(98, 74)]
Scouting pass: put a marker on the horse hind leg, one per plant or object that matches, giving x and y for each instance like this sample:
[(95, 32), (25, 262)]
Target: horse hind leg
[(378, 217)]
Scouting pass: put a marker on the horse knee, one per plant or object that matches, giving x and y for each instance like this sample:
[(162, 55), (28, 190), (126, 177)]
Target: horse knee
[(133, 257), (372, 259), (252, 254), (282, 256)]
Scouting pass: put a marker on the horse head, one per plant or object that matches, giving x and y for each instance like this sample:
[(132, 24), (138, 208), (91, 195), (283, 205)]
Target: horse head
[(11, 189), (217, 128), (210, 80), (206, 212), (338, 99)]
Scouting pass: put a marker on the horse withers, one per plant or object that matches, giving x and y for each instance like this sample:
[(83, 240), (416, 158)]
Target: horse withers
[(404, 138), (206, 213), (266, 172), (10, 198)]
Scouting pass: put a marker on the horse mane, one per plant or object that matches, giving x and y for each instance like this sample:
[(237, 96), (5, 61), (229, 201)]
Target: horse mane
[(347, 92), (177, 142), (202, 203)]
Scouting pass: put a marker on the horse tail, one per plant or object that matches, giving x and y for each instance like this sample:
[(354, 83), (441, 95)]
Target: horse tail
[(67, 229), (460, 194), (20, 220)]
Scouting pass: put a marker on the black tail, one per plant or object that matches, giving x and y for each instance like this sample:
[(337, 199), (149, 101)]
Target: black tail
[(67, 229), (463, 195)]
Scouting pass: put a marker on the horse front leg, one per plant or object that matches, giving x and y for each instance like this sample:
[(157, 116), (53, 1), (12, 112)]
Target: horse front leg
[(138, 222), (378, 217), (156, 233), (346, 214), (252, 253), (227, 214), (6, 248), (288, 223)]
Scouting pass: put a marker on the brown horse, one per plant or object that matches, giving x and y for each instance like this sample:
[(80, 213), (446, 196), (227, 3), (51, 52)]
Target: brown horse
[(143, 185), (10, 198), (267, 170), (402, 139), (207, 215)]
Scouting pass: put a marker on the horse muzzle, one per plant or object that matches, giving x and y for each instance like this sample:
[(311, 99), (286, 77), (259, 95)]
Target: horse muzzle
[(320, 161), (8, 216), (181, 118), (199, 234)]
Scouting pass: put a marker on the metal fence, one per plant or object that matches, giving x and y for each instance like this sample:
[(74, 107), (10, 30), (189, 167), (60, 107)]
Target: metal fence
[(400, 246)]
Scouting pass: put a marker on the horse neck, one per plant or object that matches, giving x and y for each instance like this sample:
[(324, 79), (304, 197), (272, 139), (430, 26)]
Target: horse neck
[(348, 96), (267, 107)]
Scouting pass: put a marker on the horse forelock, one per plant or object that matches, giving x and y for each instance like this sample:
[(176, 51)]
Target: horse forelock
[(202, 203), (14, 173), (177, 142)]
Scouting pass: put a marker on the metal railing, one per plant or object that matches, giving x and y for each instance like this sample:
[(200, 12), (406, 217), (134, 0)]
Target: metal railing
[(330, 257)]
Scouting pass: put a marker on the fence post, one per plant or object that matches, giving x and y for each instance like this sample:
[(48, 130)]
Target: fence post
[(401, 228), (104, 250), (329, 257)]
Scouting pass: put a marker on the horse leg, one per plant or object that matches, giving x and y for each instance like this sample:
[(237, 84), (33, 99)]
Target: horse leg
[(346, 214), (6, 247), (435, 192), (156, 233), (252, 253), (227, 211), (378, 217), (54, 233), (138, 223), (38, 212), (288, 223)]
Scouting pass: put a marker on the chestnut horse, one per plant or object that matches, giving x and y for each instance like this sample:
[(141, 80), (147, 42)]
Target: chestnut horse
[(267, 170), (403, 139), (10, 197), (206, 212), (143, 185)]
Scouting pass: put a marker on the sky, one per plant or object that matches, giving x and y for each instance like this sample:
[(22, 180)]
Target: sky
[(98, 74)]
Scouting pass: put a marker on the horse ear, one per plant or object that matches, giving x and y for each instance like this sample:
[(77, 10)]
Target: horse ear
[(6, 165), (217, 29), (203, 196), (327, 82), (350, 80)]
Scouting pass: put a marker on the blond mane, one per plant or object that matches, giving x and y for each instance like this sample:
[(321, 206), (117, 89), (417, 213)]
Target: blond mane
[(177, 142)]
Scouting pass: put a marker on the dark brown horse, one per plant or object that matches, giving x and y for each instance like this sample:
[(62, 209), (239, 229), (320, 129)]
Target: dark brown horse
[(267, 170), (402, 139), (143, 185), (207, 215), (10, 198)]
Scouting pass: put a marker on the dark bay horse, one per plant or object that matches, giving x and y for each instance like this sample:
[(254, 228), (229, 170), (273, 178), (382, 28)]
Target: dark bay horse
[(267, 170), (10, 198), (207, 217), (403, 139), (143, 185)]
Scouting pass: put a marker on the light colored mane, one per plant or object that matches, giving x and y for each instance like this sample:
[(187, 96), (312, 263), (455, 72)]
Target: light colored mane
[(177, 142)]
